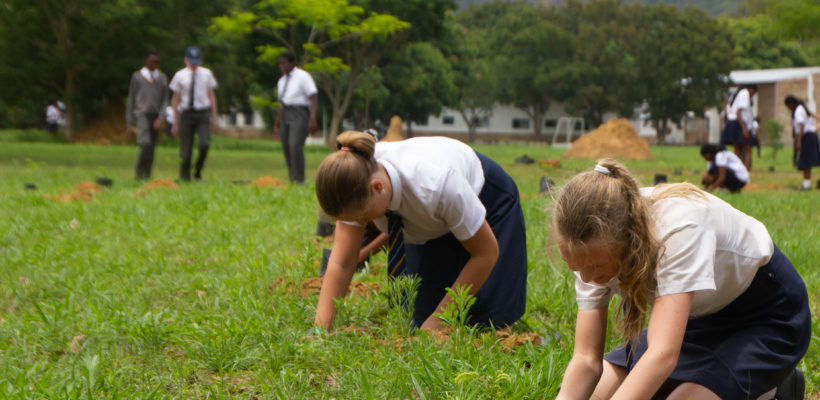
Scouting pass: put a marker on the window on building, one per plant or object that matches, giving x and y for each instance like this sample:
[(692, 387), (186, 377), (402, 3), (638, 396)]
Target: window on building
[(448, 119), (550, 123), (481, 122), (521, 123)]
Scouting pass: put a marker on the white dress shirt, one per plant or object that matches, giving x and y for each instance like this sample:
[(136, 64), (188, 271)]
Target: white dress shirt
[(802, 117), (295, 88), (732, 162), (181, 83), (742, 103), (712, 249)]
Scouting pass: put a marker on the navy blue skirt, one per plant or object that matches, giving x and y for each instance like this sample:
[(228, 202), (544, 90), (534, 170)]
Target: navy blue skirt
[(438, 262), (809, 152), (748, 347), (733, 134), (732, 183)]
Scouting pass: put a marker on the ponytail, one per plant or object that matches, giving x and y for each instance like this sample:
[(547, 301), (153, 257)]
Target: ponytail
[(793, 100), (343, 178), (606, 205)]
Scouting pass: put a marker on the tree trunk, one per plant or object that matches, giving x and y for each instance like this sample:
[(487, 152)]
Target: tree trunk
[(71, 109), (537, 116), (333, 130), (409, 133), (661, 128)]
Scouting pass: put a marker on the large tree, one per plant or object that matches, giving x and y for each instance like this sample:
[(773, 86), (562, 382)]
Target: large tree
[(758, 47), (335, 40), (684, 61)]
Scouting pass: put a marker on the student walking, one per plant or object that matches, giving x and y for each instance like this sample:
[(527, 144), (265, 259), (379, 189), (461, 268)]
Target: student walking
[(144, 115), (723, 169), (739, 120), (297, 114), (454, 212), (195, 111), (805, 139), (728, 312)]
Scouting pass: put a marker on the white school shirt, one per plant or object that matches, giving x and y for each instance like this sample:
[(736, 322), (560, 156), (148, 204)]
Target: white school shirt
[(802, 117), (436, 182), (149, 75), (181, 83), (52, 114), (300, 87), (732, 162), (742, 103), (712, 249)]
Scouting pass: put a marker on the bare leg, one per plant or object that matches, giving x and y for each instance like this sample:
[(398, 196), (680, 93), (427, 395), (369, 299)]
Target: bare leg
[(738, 150), (747, 156), (610, 381), (689, 390)]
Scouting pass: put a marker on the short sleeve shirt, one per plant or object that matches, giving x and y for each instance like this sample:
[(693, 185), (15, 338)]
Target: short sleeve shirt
[(436, 182), (802, 117), (742, 103), (711, 249), (181, 83), (296, 89), (731, 162)]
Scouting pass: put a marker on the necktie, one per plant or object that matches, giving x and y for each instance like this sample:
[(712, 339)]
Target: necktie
[(191, 94), (395, 252), (284, 89)]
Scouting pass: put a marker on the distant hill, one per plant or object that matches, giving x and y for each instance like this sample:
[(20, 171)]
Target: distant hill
[(712, 7)]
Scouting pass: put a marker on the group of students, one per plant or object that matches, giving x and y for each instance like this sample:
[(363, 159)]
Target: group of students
[(731, 170), (728, 312)]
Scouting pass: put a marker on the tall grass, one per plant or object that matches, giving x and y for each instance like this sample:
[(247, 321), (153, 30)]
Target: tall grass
[(194, 292)]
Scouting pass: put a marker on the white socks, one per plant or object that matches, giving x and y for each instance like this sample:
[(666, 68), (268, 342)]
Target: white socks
[(806, 184)]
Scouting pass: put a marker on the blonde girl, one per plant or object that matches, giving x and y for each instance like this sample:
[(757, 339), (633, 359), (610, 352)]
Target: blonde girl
[(452, 214), (728, 313)]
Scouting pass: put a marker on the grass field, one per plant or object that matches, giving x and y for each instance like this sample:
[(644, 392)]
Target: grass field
[(195, 292)]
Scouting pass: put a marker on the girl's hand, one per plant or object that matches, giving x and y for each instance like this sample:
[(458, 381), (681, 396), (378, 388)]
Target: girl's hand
[(432, 323)]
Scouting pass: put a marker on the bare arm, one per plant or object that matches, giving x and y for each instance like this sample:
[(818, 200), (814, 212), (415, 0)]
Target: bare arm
[(743, 127), (720, 179), (483, 249), (175, 105), (372, 247), (214, 108), (314, 105), (799, 140), (586, 366), (340, 268), (667, 325)]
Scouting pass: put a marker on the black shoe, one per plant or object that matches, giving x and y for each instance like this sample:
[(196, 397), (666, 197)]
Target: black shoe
[(793, 387)]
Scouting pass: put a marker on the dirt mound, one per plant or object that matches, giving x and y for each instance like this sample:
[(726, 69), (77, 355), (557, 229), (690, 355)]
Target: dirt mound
[(267, 182), (616, 139), (394, 133), (156, 184), (82, 191), (314, 285), (106, 128)]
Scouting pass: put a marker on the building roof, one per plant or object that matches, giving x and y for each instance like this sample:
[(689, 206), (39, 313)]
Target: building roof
[(750, 76)]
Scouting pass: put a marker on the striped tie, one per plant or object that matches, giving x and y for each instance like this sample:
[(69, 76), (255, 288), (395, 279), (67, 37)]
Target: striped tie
[(395, 252)]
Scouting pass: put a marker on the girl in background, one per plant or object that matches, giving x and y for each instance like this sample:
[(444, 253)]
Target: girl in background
[(455, 213), (739, 119), (728, 312), (723, 169), (805, 139)]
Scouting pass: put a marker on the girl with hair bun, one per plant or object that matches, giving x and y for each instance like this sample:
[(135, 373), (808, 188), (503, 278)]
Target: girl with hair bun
[(739, 120), (807, 152), (723, 169), (453, 217), (728, 312)]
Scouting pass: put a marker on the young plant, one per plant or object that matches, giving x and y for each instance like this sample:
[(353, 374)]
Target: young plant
[(774, 128), (456, 313)]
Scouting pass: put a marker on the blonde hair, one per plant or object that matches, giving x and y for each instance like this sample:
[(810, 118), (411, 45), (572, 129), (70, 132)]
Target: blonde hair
[(606, 205), (343, 178)]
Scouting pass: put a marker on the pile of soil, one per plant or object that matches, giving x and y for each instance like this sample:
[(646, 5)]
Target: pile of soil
[(267, 182), (106, 128), (314, 285), (394, 133), (615, 139), (82, 191), (156, 184)]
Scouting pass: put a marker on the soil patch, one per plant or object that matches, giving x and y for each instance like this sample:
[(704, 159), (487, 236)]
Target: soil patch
[(106, 128), (615, 139), (156, 184), (82, 191), (359, 289), (267, 182), (394, 132)]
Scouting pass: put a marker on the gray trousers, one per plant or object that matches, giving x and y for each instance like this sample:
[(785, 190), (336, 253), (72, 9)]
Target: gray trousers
[(191, 122), (147, 141), (293, 126)]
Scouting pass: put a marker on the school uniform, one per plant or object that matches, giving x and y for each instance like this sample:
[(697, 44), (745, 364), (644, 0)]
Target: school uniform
[(443, 191), (294, 91), (193, 86), (52, 118), (732, 132), (809, 149), (749, 324), (737, 176), (147, 100)]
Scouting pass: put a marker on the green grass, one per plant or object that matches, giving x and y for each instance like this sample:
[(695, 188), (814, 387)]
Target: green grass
[(175, 293)]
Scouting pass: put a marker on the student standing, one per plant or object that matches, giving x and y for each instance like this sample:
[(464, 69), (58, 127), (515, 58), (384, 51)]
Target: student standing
[(739, 119), (297, 114), (195, 111), (723, 169), (805, 139), (147, 100), (728, 312), (53, 117), (455, 213)]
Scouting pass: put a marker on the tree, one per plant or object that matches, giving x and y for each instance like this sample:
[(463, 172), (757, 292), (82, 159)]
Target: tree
[(335, 40), (682, 66), (758, 47), (474, 78), (532, 62)]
